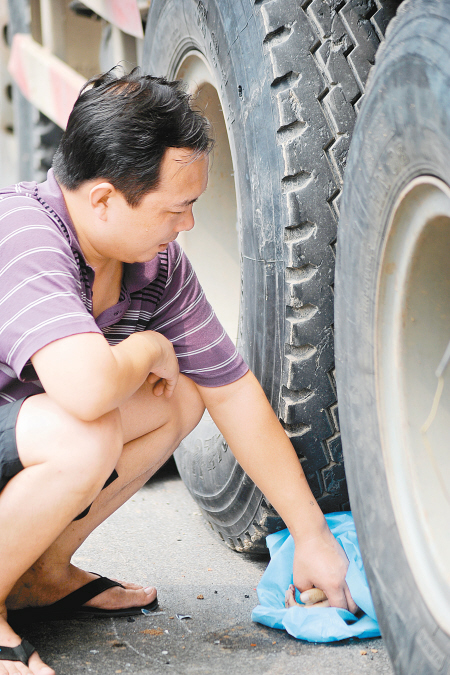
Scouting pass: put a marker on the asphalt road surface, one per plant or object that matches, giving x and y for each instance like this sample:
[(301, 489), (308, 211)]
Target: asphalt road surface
[(160, 538)]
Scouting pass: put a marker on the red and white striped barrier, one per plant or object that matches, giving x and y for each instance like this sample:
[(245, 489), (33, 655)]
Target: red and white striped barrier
[(50, 84), (124, 14)]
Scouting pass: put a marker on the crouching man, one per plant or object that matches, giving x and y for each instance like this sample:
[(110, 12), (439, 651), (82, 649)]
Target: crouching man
[(109, 354)]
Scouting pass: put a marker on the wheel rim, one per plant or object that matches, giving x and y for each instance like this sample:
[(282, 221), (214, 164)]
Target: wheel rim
[(412, 333), (212, 246)]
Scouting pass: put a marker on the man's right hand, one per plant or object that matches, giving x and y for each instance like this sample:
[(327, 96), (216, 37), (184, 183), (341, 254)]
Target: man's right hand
[(165, 371), (321, 562)]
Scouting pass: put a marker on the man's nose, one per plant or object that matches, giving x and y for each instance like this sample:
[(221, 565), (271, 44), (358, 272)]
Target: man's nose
[(188, 221)]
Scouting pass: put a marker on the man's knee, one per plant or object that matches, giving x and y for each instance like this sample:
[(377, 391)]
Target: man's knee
[(83, 453), (102, 442)]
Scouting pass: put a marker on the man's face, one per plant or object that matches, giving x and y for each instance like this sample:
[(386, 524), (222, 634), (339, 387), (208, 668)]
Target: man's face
[(139, 234)]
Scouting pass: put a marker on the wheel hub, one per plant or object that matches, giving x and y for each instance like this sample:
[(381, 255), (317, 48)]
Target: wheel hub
[(412, 334)]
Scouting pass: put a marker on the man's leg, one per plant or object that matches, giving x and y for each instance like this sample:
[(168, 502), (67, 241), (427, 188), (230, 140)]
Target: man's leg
[(153, 427), (66, 462)]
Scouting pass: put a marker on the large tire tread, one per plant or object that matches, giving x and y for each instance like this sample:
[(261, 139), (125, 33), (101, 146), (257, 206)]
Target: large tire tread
[(339, 45), (320, 55)]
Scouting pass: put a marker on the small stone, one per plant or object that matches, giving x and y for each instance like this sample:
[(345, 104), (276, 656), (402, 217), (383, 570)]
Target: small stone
[(363, 652), (217, 642), (93, 651), (164, 652), (246, 596), (131, 619), (374, 651), (200, 597), (253, 644), (274, 642)]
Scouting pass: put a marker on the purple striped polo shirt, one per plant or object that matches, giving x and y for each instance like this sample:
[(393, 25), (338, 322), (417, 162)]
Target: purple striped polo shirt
[(46, 294)]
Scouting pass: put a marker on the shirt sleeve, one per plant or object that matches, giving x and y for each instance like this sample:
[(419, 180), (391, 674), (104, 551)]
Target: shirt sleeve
[(40, 288), (184, 316)]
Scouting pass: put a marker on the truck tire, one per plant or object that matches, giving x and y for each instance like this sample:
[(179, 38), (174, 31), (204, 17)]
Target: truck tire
[(289, 77), (392, 331)]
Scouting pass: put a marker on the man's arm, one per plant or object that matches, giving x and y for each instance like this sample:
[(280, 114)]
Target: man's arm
[(259, 443), (88, 378)]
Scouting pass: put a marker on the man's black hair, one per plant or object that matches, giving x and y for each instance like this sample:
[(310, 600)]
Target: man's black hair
[(120, 128)]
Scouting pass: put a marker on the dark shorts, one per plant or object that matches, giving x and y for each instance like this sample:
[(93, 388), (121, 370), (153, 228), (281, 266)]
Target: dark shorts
[(10, 464)]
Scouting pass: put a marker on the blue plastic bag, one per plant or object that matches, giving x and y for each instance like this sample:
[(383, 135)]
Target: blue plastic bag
[(324, 624)]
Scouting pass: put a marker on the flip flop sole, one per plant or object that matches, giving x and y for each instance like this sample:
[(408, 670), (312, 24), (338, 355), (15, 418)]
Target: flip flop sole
[(84, 612), (34, 614)]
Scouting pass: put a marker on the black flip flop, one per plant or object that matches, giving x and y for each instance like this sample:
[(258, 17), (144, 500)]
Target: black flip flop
[(20, 653), (72, 606)]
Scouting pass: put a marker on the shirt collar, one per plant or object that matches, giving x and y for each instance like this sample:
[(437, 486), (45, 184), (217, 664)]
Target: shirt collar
[(136, 275)]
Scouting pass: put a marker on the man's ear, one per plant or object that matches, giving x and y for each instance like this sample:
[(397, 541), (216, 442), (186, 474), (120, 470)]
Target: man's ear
[(99, 199)]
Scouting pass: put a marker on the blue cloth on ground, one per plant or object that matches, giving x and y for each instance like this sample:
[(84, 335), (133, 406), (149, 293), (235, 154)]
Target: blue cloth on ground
[(324, 624)]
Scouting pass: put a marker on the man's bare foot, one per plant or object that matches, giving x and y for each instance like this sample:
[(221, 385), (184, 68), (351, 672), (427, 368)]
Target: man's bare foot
[(40, 587), (312, 598), (8, 638)]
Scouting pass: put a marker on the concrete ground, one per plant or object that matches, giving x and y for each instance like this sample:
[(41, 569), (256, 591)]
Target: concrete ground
[(160, 538)]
